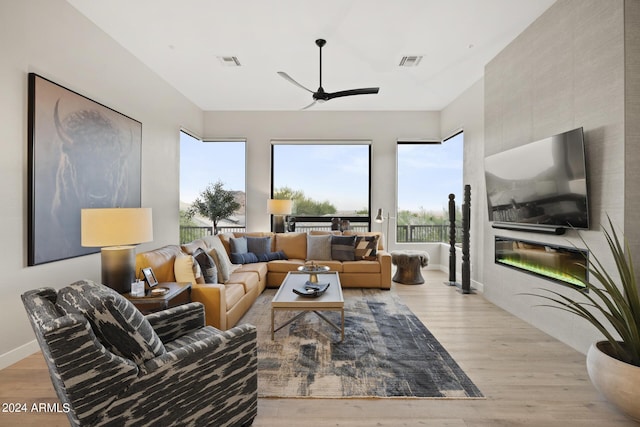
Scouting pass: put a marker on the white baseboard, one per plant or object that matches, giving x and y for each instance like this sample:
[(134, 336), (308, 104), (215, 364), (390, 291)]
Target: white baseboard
[(19, 353)]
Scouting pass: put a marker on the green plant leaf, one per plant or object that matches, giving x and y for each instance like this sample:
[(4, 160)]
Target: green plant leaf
[(617, 300)]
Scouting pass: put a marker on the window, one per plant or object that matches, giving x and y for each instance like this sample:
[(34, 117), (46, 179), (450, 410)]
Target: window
[(427, 173), (325, 181), (204, 163)]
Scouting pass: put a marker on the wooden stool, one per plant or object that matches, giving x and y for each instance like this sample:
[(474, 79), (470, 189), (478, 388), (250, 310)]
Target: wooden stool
[(409, 264)]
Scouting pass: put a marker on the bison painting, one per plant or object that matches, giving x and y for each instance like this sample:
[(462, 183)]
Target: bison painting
[(82, 155)]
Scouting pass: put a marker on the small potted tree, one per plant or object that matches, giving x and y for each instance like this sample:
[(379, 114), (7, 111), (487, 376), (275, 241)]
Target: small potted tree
[(611, 305), (214, 203)]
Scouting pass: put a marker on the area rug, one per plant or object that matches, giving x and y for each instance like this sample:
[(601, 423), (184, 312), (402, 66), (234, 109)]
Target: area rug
[(387, 353)]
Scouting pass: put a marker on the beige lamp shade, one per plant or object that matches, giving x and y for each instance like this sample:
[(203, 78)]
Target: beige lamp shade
[(279, 206), (115, 226)]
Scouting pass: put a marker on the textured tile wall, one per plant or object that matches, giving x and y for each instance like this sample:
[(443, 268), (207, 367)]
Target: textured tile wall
[(565, 71)]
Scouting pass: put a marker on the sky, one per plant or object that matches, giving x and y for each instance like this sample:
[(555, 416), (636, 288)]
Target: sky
[(426, 173), (203, 163), (335, 173)]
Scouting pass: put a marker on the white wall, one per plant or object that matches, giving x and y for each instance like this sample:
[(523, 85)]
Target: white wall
[(50, 38)]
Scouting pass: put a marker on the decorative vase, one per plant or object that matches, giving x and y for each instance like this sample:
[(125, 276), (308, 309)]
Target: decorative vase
[(618, 381)]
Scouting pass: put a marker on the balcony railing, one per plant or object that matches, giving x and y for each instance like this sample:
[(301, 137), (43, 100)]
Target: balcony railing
[(426, 233), (405, 233)]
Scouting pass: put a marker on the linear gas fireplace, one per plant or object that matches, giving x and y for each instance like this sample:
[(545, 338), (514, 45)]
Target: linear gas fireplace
[(560, 264)]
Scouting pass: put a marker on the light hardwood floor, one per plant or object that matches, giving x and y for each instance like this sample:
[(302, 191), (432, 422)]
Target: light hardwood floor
[(528, 378)]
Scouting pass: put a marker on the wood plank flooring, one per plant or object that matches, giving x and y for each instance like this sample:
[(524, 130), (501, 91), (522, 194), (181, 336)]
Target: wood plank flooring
[(528, 378)]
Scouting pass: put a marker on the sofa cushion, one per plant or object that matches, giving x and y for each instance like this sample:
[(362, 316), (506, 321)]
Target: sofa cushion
[(366, 248), (294, 245), (233, 292), (343, 248), (260, 268), (259, 245), (319, 247), (207, 265), (117, 323), (333, 265), (225, 239), (249, 280), (361, 267), (187, 269), (238, 245), (243, 258), (285, 266)]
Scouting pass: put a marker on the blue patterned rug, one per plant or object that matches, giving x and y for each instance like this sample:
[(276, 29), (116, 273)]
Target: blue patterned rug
[(387, 352)]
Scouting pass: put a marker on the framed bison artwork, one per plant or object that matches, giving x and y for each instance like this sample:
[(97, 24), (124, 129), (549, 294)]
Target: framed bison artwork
[(81, 155)]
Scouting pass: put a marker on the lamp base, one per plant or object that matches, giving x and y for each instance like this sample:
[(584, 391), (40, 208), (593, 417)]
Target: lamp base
[(278, 224), (118, 267)]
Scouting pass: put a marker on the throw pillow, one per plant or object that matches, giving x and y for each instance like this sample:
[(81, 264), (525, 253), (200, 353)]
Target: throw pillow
[(367, 233), (220, 256), (366, 248), (117, 323), (259, 245), (238, 245), (223, 263), (271, 256), (187, 269), (207, 265), (319, 247), (247, 258), (343, 248)]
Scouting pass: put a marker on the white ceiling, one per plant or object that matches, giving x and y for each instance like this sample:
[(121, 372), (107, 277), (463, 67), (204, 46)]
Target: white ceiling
[(181, 39)]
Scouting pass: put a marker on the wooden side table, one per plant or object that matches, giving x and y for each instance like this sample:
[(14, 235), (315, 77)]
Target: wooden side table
[(179, 293)]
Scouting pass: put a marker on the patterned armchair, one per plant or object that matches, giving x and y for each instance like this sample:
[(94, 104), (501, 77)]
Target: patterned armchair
[(112, 366)]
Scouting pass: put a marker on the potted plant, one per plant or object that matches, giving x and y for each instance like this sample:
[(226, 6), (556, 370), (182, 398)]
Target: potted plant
[(613, 307)]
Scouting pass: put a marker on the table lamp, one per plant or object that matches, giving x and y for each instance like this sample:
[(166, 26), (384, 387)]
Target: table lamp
[(279, 208), (116, 231)]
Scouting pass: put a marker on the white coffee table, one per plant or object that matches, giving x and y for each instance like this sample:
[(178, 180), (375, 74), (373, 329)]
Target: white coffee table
[(287, 300)]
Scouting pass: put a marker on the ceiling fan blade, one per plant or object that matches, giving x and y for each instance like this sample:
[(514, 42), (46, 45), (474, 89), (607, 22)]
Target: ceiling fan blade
[(350, 92), (288, 78), (310, 105)]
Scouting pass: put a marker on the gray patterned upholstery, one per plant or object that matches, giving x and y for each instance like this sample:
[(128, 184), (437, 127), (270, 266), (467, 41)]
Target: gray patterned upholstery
[(201, 376), (117, 323)]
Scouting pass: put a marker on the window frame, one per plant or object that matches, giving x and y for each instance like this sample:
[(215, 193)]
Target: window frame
[(423, 142), (240, 226), (354, 219)]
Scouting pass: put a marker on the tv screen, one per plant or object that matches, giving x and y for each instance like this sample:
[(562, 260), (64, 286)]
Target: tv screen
[(543, 183)]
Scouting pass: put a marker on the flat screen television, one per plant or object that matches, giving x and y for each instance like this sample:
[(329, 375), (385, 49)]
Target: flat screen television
[(540, 184)]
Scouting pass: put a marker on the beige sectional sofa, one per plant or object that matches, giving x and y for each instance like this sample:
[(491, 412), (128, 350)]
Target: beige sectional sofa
[(240, 284)]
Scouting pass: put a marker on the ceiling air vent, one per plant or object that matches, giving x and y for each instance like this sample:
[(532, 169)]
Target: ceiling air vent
[(229, 61), (410, 61)]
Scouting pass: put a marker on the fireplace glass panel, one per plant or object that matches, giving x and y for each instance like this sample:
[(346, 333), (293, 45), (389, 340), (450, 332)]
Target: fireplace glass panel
[(560, 264)]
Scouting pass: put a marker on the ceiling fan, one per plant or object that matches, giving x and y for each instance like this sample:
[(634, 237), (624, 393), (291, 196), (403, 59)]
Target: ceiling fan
[(320, 95)]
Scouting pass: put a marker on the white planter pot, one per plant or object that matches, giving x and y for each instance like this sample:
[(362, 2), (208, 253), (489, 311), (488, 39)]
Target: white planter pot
[(619, 382)]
